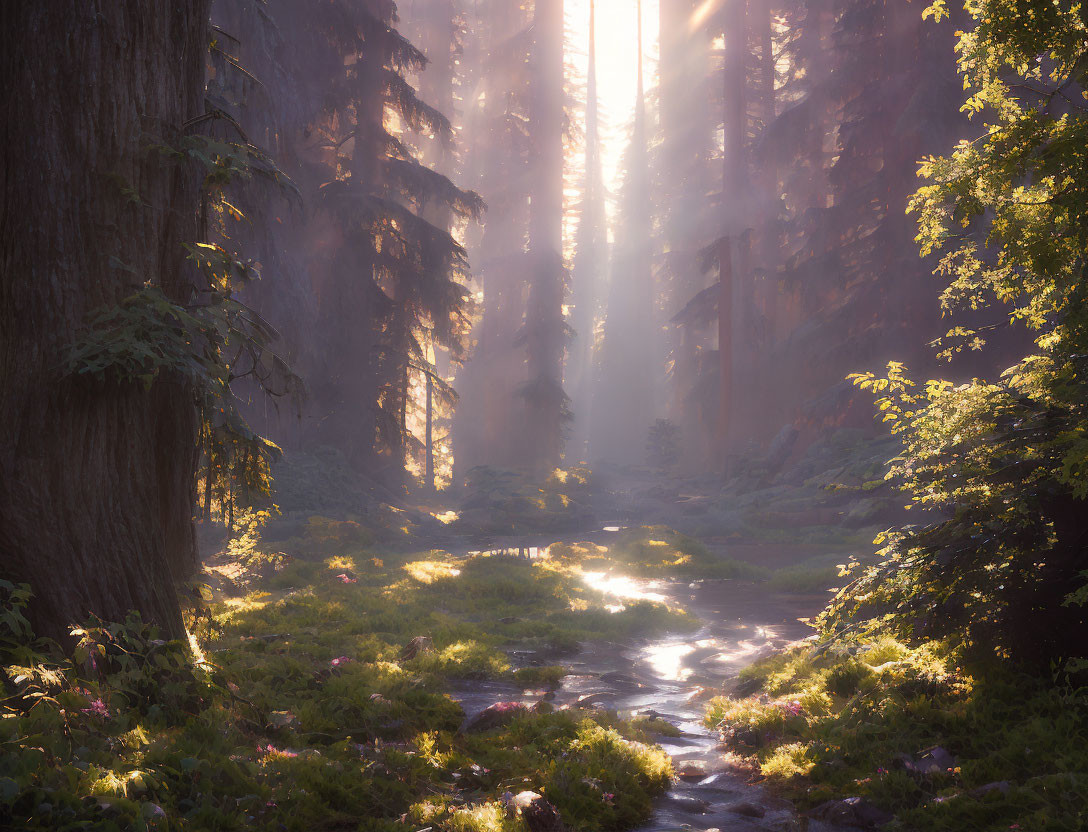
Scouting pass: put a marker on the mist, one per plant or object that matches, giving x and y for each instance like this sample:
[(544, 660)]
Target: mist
[(544, 415)]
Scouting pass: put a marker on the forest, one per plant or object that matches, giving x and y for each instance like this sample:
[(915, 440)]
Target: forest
[(544, 415)]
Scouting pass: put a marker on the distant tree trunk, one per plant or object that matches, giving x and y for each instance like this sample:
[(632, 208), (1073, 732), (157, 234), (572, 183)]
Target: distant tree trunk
[(544, 326), (767, 237), (725, 349), (735, 180), (439, 42), (735, 207), (489, 408), (96, 479), (428, 481)]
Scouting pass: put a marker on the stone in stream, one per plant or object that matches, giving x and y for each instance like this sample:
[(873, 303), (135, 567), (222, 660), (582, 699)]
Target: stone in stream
[(691, 805), (537, 813), (621, 681), (591, 700), (692, 770), (747, 809)]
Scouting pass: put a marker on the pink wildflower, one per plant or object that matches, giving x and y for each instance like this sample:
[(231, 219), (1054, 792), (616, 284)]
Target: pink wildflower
[(97, 708), (279, 752), (341, 660), (346, 579)]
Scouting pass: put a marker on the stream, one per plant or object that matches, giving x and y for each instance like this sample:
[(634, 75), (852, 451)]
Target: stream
[(672, 676)]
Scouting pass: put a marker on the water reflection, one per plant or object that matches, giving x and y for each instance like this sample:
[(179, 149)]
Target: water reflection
[(667, 659), (624, 588)]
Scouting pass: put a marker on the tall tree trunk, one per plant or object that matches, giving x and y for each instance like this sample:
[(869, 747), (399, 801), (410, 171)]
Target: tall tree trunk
[(735, 205), (428, 442), (590, 258), (439, 42), (96, 479), (544, 326), (724, 431), (735, 180)]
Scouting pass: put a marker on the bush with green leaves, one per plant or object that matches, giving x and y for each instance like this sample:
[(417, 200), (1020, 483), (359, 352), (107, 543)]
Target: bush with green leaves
[(855, 718), (1003, 464)]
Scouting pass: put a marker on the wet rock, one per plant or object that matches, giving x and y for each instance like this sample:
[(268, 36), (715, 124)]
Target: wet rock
[(495, 716), (934, 760), (622, 681), (536, 812), (747, 809), (691, 770), (691, 805), (416, 647), (853, 811), (699, 694), (594, 700)]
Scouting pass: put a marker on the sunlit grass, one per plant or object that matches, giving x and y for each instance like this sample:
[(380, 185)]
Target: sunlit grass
[(831, 723), (429, 571), (653, 551)]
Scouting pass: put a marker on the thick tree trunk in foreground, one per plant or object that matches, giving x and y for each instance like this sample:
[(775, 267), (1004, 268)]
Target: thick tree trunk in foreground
[(96, 479)]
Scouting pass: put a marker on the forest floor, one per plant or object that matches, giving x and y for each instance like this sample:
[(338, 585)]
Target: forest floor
[(409, 674)]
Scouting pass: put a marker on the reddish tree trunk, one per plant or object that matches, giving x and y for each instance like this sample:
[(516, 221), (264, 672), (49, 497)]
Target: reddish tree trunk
[(96, 478)]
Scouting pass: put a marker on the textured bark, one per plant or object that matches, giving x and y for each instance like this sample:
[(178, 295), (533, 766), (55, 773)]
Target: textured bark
[(96, 479)]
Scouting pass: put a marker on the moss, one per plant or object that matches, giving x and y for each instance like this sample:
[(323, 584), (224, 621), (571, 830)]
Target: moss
[(655, 551), (655, 726), (311, 714), (828, 722)]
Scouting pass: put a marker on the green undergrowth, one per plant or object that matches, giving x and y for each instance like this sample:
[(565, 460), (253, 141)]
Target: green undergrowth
[(834, 721), (661, 552), (655, 551), (307, 712), (504, 502)]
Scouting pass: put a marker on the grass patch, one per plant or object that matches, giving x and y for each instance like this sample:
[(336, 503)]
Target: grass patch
[(827, 723), (321, 706), (656, 552)]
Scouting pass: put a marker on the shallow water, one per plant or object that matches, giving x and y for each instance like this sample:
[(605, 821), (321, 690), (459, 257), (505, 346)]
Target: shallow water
[(672, 676)]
